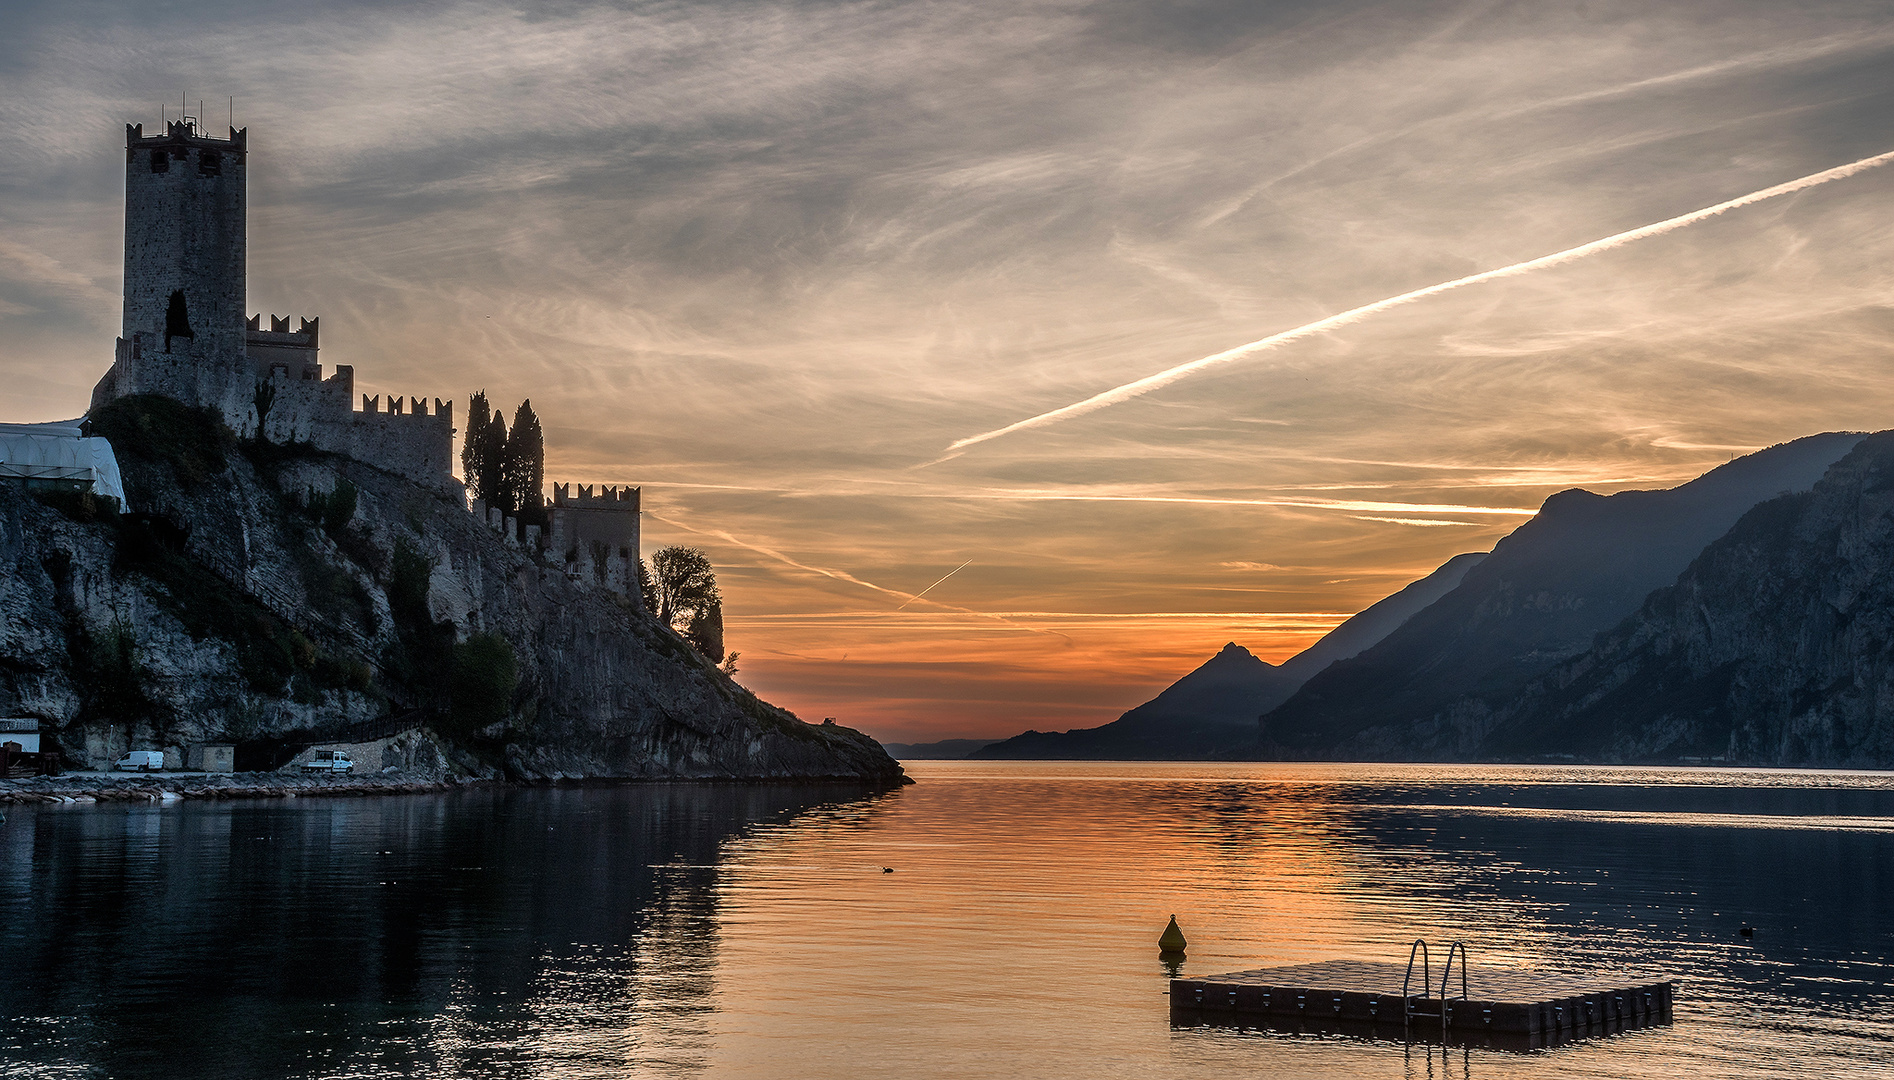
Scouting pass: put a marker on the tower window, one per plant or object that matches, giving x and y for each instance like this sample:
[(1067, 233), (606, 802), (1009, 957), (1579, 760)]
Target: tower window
[(210, 163), (160, 161), (177, 320)]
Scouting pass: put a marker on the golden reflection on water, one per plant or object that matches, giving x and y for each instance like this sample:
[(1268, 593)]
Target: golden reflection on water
[(1017, 933)]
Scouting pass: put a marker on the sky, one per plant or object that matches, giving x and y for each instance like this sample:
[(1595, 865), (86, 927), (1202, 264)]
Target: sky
[(770, 261)]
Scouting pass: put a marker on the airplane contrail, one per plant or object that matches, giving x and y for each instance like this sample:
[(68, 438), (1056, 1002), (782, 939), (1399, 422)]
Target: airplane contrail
[(1170, 375), (930, 588)]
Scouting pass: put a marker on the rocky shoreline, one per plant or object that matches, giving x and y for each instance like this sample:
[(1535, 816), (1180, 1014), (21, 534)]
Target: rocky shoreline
[(147, 788)]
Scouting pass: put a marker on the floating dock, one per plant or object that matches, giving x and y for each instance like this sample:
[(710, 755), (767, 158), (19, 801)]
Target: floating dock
[(1499, 1008)]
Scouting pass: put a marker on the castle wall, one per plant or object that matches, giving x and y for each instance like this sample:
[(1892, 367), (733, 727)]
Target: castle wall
[(411, 444), (598, 536), (188, 374)]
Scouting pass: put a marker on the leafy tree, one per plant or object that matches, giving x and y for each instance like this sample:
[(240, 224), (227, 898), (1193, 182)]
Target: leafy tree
[(524, 466), (687, 599), (683, 578), (483, 455), (705, 630), (647, 588)]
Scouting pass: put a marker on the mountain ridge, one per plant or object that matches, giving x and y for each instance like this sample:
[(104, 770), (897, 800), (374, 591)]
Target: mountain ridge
[(1575, 569), (1171, 726)]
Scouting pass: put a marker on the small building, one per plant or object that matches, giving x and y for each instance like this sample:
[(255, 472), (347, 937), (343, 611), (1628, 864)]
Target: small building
[(58, 456), (20, 735), (211, 757), (19, 747)]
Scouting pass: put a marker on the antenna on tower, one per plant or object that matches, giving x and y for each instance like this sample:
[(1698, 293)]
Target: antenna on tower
[(233, 113)]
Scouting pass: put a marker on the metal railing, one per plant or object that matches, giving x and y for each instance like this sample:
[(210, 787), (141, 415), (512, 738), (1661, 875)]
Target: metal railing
[(1411, 1004)]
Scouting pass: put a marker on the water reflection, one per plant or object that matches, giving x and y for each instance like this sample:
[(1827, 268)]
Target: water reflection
[(743, 932), (493, 933)]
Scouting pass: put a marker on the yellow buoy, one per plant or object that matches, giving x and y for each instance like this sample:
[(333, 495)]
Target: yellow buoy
[(1173, 939)]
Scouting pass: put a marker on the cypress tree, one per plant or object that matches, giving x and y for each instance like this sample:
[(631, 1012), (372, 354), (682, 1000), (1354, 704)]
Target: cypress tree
[(470, 447), (526, 465), (493, 465)]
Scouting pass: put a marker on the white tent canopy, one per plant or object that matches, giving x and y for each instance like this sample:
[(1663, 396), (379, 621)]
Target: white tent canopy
[(59, 451)]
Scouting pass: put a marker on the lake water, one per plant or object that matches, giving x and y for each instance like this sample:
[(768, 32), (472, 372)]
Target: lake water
[(751, 931)]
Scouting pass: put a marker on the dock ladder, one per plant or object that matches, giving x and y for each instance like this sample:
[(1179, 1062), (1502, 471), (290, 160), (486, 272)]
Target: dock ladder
[(1410, 1003)]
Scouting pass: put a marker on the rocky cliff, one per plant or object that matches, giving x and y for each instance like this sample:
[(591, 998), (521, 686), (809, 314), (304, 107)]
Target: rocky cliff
[(265, 595), (1775, 647)]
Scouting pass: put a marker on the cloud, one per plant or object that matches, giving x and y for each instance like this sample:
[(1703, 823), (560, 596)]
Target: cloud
[(756, 257)]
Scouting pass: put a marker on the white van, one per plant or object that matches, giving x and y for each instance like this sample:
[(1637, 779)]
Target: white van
[(141, 761), (329, 761)]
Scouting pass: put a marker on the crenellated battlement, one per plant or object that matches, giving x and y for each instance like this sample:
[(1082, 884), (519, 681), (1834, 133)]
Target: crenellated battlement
[(183, 133), (304, 335), (608, 498), (371, 406)]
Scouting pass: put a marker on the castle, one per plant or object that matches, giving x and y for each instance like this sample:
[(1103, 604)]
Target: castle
[(186, 335)]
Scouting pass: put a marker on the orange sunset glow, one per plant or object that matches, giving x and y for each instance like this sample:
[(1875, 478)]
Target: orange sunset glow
[(855, 294)]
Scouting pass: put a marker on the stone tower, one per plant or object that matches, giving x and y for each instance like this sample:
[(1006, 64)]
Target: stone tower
[(184, 241)]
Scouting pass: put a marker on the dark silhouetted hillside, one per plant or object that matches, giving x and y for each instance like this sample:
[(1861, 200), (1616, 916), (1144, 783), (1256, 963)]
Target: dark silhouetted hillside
[(1577, 568), (1212, 711)]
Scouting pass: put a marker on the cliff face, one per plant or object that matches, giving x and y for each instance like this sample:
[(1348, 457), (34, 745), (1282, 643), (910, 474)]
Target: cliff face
[(228, 605), (1775, 647), (1582, 564)]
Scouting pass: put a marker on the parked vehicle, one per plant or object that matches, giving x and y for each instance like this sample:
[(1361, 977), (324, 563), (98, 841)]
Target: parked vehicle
[(329, 761), (141, 761)]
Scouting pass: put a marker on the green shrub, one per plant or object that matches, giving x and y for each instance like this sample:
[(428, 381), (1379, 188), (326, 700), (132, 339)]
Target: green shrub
[(193, 442), (334, 510), (486, 673), (79, 504), (408, 575), (421, 658), (110, 679)]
